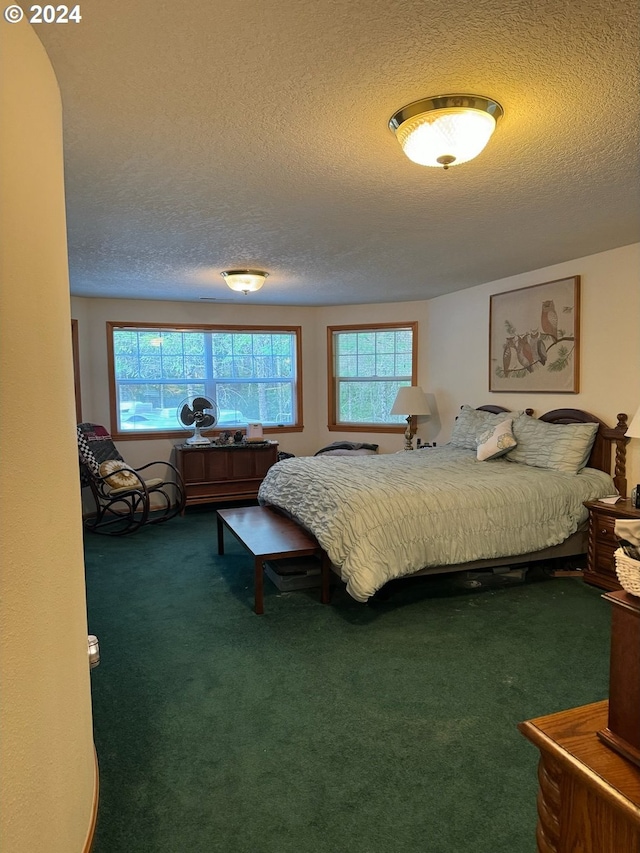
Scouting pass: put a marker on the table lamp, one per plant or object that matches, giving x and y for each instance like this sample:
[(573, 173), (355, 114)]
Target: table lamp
[(410, 401), (633, 431)]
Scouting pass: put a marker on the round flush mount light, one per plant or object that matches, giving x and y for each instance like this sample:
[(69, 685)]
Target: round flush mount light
[(247, 281), (446, 130)]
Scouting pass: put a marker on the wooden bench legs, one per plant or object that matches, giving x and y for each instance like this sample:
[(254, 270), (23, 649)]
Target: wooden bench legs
[(269, 535), (325, 589), (220, 535), (258, 582)]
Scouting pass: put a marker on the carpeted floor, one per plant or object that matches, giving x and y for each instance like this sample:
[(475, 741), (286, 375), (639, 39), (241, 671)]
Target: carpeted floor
[(380, 728)]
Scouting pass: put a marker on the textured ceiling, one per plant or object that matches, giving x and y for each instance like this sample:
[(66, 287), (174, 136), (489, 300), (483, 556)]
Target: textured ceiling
[(206, 135)]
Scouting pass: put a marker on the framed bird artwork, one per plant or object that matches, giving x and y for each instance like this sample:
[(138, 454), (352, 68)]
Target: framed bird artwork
[(534, 338)]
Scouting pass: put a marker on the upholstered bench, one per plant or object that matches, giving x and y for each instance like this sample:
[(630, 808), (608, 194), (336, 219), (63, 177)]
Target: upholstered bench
[(268, 535)]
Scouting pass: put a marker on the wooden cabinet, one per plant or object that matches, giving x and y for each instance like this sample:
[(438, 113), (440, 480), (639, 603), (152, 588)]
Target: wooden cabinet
[(217, 473), (601, 570), (589, 768), (622, 732), (589, 797)]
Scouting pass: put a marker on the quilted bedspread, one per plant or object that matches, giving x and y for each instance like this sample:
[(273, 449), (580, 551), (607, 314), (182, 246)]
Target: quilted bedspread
[(382, 517)]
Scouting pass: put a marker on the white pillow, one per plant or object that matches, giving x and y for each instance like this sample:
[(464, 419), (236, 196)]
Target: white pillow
[(119, 475), (496, 441)]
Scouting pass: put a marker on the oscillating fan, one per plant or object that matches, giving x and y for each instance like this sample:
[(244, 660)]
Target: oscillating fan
[(199, 413)]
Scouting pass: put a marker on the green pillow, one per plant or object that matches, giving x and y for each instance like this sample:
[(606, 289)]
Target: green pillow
[(560, 447), (471, 423)]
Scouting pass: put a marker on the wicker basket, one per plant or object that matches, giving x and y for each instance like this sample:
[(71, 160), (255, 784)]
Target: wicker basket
[(628, 572)]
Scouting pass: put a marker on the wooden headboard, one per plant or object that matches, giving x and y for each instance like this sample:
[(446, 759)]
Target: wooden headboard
[(496, 410), (609, 448)]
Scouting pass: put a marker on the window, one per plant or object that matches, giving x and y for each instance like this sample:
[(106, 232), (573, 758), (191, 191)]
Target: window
[(367, 365), (251, 373)]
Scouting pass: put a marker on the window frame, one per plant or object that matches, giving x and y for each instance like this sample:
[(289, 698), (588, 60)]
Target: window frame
[(333, 424), (112, 325), (75, 350)]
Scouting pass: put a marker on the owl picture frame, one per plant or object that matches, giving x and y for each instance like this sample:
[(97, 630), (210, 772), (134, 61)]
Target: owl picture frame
[(534, 338)]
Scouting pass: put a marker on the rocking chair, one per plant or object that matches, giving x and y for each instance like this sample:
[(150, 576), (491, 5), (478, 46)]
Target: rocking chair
[(124, 500)]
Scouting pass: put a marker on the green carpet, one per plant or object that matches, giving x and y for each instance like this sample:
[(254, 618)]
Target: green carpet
[(373, 728)]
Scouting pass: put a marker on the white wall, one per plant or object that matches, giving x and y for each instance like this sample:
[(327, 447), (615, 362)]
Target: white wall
[(452, 351), (458, 355), (47, 770)]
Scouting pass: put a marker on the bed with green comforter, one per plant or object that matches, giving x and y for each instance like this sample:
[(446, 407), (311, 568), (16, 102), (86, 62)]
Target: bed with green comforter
[(388, 516), (384, 517)]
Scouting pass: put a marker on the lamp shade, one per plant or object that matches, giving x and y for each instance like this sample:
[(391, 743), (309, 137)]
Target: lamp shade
[(634, 427), (446, 130), (410, 400), (247, 281)]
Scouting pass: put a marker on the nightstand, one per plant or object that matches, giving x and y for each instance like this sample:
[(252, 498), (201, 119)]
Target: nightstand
[(600, 570)]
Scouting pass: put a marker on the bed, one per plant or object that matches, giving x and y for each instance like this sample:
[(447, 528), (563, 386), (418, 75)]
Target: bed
[(444, 509)]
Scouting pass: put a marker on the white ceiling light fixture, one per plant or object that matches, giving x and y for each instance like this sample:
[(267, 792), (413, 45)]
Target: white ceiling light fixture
[(446, 130), (247, 281)]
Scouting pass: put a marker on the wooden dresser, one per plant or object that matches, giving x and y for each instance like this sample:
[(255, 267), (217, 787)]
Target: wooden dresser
[(589, 769), (601, 570), (218, 473), (589, 796)]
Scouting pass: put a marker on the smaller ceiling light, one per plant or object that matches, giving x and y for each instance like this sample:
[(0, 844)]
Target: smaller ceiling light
[(248, 281), (446, 130)]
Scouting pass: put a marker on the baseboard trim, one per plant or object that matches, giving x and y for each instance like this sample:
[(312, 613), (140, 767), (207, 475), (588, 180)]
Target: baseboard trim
[(88, 844)]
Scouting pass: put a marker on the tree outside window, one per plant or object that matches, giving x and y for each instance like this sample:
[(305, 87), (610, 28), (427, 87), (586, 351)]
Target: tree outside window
[(367, 366), (250, 374)]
